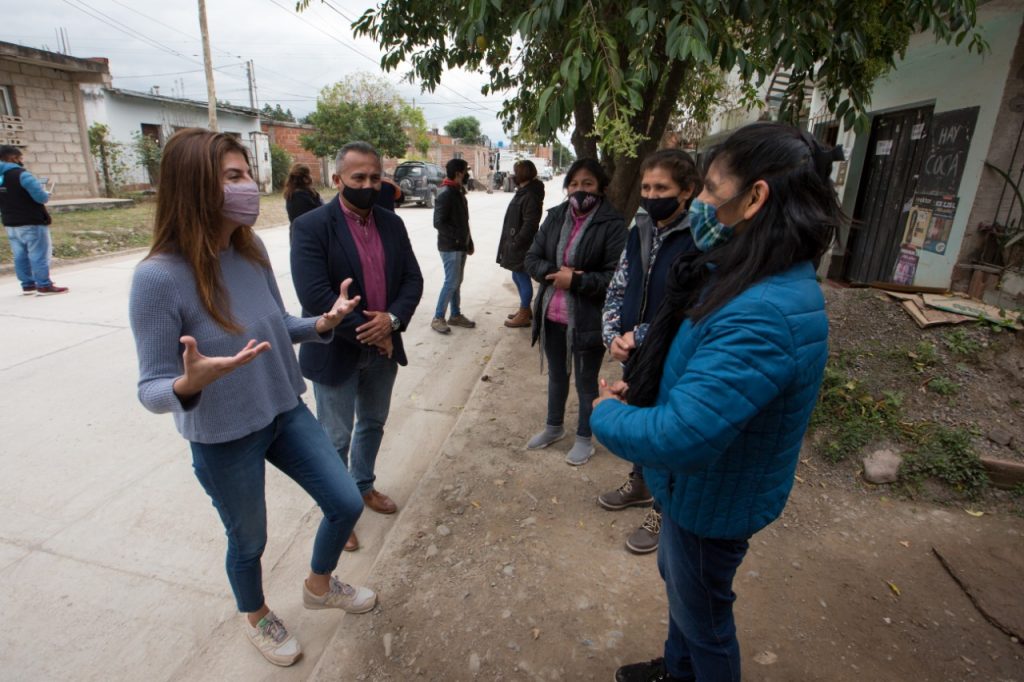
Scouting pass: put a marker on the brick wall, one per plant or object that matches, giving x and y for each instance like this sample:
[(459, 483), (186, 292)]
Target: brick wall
[(286, 136), (48, 103)]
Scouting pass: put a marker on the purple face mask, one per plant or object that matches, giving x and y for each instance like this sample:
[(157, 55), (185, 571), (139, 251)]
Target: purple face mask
[(241, 202)]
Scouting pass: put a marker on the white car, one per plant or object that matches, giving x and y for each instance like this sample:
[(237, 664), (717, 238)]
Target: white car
[(546, 173)]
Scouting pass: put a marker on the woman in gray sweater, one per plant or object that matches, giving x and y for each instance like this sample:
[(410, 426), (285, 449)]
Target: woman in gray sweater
[(215, 349)]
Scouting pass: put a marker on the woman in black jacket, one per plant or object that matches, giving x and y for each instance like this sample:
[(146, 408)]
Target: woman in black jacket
[(522, 218), (299, 195), (573, 257)]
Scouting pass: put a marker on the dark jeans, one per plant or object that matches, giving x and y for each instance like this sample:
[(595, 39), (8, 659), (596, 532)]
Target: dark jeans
[(698, 574), (524, 285), (586, 366), (234, 473)]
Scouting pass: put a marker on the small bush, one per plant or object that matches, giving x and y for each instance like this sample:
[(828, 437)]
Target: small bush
[(945, 454), (280, 163), (961, 343), (943, 386)]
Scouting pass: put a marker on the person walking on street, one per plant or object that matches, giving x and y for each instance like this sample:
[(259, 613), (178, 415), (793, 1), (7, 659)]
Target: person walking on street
[(661, 234), (352, 238), (24, 215), (522, 220), (214, 344), (573, 257), (454, 242), (716, 401)]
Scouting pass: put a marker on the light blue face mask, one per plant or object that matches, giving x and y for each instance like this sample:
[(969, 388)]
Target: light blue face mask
[(708, 232)]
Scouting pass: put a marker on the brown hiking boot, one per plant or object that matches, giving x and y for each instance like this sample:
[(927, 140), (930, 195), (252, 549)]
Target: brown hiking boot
[(645, 538), (461, 321), (523, 318), (440, 326), (632, 493)]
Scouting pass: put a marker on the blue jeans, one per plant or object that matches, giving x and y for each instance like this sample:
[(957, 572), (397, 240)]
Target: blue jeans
[(525, 287), (698, 574), (233, 475), (365, 398), (454, 266), (30, 245)]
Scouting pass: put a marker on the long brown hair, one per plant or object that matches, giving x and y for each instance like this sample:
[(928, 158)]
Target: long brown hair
[(189, 201), (299, 177)]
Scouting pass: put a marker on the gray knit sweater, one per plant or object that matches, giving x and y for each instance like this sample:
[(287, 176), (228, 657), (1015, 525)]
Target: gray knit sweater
[(165, 306)]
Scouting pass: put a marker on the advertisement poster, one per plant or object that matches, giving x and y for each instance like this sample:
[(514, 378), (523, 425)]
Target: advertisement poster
[(930, 221), (906, 267)]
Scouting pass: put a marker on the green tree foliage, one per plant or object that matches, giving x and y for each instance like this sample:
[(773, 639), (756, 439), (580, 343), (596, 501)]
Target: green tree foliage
[(363, 107), (148, 152), (280, 163), (276, 113), (615, 70), (109, 157), (465, 128), (561, 155)]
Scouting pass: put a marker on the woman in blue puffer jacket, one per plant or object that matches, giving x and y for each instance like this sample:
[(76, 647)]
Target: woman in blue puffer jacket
[(715, 404)]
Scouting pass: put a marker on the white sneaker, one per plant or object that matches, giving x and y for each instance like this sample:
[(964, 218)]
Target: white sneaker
[(271, 637), (341, 596)]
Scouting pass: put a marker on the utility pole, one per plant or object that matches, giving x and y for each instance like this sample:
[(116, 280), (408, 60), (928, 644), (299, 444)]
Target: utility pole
[(249, 69), (211, 94)]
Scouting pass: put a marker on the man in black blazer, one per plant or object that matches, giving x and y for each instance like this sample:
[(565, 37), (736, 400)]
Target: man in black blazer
[(351, 237)]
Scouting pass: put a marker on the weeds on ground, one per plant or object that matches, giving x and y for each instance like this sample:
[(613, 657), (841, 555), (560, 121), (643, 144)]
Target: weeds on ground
[(961, 343), (850, 417), (943, 386)]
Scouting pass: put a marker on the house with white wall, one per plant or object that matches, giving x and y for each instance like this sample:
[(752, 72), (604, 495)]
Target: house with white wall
[(130, 114)]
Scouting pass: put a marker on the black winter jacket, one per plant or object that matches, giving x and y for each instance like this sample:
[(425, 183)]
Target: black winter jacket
[(597, 255), (522, 219), (451, 220)]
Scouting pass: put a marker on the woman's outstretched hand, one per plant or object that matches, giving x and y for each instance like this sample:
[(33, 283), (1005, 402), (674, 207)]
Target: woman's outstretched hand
[(201, 371), (342, 307)]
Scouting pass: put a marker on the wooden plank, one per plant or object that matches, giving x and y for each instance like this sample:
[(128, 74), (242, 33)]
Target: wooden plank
[(972, 308), (906, 288), (926, 317), (1003, 474)]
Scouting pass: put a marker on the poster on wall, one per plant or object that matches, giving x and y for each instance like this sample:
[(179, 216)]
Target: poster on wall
[(933, 222), (906, 266), (949, 142), (917, 226)]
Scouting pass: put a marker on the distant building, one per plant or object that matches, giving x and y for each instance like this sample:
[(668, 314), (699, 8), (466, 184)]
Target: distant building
[(129, 114), (42, 111), (286, 135)]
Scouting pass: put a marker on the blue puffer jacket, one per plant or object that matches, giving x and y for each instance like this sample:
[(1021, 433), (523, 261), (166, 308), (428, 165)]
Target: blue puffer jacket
[(720, 446)]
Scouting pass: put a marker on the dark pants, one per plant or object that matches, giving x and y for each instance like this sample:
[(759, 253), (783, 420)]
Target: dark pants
[(586, 367), (698, 574)]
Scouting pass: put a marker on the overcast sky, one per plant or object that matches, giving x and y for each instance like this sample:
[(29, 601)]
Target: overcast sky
[(151, 42)]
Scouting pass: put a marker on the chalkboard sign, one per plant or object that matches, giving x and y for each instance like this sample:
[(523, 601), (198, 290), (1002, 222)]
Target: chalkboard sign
[(949, 140)]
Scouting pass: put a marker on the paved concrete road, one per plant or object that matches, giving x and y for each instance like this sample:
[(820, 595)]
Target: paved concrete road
[(111, 555)]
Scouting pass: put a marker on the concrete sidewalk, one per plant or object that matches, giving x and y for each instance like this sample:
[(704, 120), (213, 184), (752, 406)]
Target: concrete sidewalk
[(111, 555)]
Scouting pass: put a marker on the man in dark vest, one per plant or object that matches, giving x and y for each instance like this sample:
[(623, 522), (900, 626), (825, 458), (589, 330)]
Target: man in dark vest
[(24, 214), (660, 235)]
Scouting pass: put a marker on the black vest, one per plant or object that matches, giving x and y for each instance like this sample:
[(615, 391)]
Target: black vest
[(17, 207), (643, 293)]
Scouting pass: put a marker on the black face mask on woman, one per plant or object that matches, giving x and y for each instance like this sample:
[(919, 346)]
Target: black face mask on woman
[(583, 201), (661, 208), (361, 198)]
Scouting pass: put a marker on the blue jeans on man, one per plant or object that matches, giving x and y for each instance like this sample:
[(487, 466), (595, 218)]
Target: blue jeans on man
[(362, 400), (454, 266), (31, 248), (698, 574), (234, 474)]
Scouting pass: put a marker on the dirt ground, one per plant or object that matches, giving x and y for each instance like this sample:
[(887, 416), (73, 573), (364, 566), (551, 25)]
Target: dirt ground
[(503, 567)]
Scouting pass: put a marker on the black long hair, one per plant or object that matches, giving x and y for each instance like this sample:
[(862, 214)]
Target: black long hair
[(595, 168), (797, 223)]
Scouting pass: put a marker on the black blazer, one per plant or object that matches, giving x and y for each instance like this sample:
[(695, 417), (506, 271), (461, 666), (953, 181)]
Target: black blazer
[(323, 255), (597, 255)]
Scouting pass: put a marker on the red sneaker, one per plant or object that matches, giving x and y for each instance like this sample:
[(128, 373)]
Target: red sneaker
[(51, 290)]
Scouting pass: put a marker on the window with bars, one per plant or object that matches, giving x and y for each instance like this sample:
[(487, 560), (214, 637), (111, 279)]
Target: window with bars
[(6, 101)]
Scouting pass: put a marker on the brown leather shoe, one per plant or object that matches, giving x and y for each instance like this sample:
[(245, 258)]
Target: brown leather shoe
[(523, 318), (379, 502), (352, 544)]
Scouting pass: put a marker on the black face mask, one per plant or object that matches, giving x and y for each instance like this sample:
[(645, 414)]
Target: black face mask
[(362, 198), (661, 208), (583, 201)]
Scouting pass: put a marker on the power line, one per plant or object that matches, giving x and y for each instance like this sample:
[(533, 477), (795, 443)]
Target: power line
[(124, 28)]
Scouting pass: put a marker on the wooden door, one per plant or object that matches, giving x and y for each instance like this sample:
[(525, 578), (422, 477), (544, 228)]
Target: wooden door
[(896, 150)]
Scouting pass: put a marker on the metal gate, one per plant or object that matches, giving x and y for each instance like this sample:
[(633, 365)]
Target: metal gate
[(896, 150)]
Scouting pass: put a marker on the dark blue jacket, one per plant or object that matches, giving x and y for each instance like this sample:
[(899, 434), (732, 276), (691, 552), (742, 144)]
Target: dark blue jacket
[(323, 255), (721, 443), (644, 294)]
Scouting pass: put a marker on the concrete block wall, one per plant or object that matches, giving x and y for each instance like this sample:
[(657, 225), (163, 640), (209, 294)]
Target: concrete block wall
[(48, 103)]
